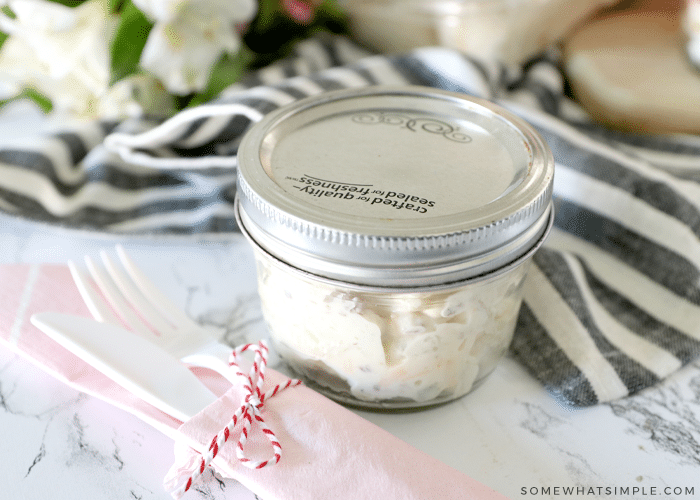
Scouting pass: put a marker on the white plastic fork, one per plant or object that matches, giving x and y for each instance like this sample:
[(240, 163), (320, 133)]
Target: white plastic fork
[(144, 309)]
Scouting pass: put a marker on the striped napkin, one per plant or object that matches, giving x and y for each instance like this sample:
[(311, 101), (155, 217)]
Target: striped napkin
[(612, 303)]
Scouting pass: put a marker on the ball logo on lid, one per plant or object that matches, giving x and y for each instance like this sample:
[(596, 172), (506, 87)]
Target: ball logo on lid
[(415, 124)]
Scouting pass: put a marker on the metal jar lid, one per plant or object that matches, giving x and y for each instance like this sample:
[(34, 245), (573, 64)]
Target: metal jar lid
[(394, 186)]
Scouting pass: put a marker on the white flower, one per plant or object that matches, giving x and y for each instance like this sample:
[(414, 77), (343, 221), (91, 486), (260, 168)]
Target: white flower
[(62, 52), (188, 38)]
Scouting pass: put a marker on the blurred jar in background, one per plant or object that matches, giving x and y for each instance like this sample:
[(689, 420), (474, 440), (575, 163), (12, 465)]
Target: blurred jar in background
[(507, 30), (691, 26), (632, 67)]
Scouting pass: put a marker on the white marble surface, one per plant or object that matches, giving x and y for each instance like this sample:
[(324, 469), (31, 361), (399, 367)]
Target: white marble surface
[(509, 434)]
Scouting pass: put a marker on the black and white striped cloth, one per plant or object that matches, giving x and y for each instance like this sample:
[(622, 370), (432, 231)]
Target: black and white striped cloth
[(613, 301)]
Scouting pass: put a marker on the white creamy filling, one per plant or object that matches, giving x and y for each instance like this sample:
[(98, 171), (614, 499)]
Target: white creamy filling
[(377, 347)]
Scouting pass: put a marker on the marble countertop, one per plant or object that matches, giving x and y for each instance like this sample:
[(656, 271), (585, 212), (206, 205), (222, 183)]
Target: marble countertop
[(509, 433)]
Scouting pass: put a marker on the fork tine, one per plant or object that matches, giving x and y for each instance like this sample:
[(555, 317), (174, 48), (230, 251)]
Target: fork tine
[(174, 314), (115, 298), (95, 304), (135, 296)]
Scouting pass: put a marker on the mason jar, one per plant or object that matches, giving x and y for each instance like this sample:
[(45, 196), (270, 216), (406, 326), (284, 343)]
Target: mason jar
[(392, 229)]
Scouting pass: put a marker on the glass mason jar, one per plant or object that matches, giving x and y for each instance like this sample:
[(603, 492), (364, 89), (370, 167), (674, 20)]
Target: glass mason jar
[(393, 228)]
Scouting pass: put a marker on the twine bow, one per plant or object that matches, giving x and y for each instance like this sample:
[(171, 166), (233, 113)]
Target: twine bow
[(250, 411)]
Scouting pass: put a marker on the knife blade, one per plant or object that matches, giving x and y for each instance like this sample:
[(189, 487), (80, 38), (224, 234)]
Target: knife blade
[(133, 362)]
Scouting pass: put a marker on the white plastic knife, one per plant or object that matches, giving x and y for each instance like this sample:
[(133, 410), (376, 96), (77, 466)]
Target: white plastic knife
[(139, 366)]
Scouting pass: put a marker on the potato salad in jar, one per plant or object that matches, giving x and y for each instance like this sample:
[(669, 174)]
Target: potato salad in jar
[(393, 228)]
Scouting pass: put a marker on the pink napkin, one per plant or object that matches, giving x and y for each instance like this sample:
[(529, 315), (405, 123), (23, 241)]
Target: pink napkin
[(328, 452)]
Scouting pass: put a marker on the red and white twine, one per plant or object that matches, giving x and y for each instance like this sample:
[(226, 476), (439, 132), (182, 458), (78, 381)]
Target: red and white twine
[(250, 411)]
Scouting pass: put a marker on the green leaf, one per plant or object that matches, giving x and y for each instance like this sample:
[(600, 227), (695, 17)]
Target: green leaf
[(7, 11), (68, 3), (28, 93), (116, 6), (228, 70), (40, 99), (129, 41), (268, 10), (332, 9)]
